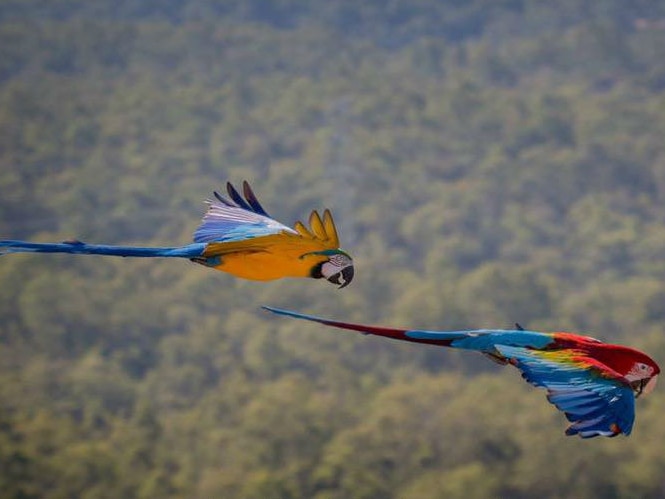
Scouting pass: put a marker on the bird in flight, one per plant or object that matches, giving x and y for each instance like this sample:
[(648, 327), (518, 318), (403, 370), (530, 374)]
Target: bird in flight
[(594, 384), (237, 236)]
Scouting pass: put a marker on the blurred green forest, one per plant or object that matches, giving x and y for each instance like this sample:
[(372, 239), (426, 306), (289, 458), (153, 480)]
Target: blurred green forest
[(487, 162)]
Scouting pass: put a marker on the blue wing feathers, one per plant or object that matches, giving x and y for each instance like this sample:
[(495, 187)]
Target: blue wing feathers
[(596, 405), (573, 400), (581, 405), (237, 218)]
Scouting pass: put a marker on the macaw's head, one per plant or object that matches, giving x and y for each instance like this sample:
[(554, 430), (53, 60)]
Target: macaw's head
[(642, 373), (336, 268)]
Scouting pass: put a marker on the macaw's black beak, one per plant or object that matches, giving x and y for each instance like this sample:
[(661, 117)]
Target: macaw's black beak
[(343, 277), (644, 386)]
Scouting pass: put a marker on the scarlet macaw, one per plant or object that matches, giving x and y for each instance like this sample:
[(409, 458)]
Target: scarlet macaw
[(594, 383), (238, 236)]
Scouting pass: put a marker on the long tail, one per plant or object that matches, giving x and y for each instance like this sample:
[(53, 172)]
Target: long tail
[(80, 248), (481, 340), (440, 338)]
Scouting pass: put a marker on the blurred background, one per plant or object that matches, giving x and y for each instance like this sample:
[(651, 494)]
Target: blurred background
[(487, 162)]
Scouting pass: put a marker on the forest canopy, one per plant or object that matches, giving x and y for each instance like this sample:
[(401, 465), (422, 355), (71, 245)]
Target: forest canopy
[(487, 162)]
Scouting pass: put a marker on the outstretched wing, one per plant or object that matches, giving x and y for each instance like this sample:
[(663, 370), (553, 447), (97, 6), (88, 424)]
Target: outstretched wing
[(594, 398), (242, 218), (236, 219)]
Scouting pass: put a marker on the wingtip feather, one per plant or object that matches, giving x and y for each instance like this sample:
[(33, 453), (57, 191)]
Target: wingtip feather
[(303, 230), (236, 197), (329, 227), (252, 199), (222, 199), (317, 226)]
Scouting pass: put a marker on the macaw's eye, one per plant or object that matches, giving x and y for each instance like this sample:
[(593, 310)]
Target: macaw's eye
[(640, 370)]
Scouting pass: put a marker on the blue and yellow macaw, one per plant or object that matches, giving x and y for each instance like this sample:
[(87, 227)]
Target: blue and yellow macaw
[(594, 383), (237, 236)]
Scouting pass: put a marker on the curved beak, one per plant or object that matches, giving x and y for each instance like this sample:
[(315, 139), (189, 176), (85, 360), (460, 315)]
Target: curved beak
[(651, 384), (343, 277), (644, 386)]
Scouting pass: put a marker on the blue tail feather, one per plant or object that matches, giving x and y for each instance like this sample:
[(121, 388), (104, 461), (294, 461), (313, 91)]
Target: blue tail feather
[(80, 248)]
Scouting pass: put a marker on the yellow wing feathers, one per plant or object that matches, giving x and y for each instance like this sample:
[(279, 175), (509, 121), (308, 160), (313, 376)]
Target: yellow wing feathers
[(323, 230), (322, 235)]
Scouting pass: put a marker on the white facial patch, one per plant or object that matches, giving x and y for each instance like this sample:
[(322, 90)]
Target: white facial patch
[(639, 371)]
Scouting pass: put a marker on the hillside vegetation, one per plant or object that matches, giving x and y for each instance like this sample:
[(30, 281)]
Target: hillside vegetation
[(487, 162)]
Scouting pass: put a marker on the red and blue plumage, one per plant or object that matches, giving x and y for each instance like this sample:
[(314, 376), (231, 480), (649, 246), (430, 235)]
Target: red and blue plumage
[(593, 383)]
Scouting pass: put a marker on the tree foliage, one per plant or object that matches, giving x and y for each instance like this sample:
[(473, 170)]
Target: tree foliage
[(487, 162)]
